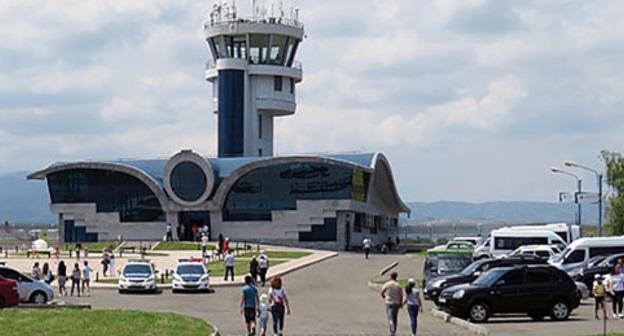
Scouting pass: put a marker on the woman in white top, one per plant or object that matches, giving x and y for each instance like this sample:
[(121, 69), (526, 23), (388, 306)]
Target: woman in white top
[(413, 299), (616, 288), (279, 304)]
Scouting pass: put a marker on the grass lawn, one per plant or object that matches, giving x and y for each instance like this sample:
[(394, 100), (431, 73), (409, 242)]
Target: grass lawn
[(280, 254), (93, 247), (217, 268), (18, 322), (182, 246)]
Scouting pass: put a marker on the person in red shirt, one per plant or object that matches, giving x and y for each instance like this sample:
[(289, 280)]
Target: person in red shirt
[(226, 245), (195, 229)]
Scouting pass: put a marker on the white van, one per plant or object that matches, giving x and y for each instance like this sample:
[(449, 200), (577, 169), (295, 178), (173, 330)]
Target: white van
[(583, 249), (503, 241), (568, 233)]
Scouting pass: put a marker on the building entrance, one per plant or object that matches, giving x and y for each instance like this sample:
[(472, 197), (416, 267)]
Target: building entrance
[(192, 224)]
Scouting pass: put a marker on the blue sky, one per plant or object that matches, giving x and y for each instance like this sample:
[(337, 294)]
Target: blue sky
[(471, 100)]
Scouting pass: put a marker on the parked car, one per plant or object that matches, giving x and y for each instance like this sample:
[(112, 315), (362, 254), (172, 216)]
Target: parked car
[(583, 249), (476, 241), (568, 233), (444, 264), (536, 290), (29, 289), (542, 251), (505, 240), (587, 276), (592, 262), (138, 276), (453, 247), (191, 275), (9, 296), (472, 272)]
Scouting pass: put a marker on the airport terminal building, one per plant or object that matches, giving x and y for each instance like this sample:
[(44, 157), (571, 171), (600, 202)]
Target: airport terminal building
[(246, 193)]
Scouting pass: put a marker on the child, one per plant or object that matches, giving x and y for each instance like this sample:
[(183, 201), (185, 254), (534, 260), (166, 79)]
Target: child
[(264, 313), (599, 292)]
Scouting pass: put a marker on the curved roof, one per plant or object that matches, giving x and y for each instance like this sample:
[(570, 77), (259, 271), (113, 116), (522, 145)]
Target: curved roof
[(152, 171)]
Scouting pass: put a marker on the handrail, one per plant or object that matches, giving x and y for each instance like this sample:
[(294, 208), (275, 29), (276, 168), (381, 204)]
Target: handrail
[(211, 64), (214, 22)]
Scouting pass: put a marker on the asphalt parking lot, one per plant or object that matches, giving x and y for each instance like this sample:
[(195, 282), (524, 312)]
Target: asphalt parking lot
[(332, 298)]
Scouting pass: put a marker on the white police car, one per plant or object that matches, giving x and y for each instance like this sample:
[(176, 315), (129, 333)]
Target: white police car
[(191, 276), (138, 276)]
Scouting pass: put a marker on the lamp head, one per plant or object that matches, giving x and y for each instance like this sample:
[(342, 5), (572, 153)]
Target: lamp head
[(555, 170), (569, 163)]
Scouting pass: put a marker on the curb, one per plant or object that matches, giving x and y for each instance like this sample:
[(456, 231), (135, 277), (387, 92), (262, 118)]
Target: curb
[(476, 329), (54, 305)]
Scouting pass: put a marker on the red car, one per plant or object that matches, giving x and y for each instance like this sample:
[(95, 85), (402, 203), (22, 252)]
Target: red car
[(9, 296)]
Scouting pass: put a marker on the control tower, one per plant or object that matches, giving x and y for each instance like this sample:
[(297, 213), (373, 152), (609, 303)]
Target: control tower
[(253, 74)]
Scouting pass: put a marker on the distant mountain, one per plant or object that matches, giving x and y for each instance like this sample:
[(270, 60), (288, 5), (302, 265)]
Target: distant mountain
[(501, 212), (23, 201)]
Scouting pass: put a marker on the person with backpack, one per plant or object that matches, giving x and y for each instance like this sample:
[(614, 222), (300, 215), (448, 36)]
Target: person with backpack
[(249, 304), (279, 304)]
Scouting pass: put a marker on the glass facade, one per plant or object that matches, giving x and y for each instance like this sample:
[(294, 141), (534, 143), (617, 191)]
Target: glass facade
[(259, 49), (326, 232), (278, 187), (111, 192), (188, 181)]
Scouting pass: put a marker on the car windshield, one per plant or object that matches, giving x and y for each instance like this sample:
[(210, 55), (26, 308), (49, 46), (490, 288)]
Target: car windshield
[(490, 277), (191, 269), (452, 264), (557, 258), (137, 270), (609, 261), (472, 268)]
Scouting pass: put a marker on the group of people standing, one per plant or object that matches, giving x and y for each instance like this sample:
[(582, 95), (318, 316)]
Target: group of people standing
[(611, 285), (80, 277), (257, 308), (397, 297)]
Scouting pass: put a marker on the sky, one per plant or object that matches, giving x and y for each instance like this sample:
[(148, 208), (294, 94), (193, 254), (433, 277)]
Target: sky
[(470, 100)]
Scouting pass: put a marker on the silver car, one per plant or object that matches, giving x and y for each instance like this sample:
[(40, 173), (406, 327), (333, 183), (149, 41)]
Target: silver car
[(30, 290)]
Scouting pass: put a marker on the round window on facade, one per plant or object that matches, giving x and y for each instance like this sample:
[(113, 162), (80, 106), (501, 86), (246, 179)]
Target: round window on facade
[(188, 181)]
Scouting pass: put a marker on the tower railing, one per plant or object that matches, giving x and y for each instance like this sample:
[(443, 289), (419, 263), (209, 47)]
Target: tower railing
[(211, 64), (216, 21)]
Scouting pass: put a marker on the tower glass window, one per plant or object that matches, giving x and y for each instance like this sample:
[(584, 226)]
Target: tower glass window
[(278, 49), (239, 45), (290, 57), (111, 191), (188, 181), (258, 48)]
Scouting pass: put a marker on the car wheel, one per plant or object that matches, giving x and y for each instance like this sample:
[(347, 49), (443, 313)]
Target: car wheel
[(559, 311), (479, 312), (121, 291), (38, 297)]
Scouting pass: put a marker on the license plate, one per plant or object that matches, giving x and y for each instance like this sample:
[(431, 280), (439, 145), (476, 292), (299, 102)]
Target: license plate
[(442, 300)]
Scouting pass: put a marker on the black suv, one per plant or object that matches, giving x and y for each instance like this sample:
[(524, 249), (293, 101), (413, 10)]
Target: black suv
[(588, 275), (537, 290), (435, 286)]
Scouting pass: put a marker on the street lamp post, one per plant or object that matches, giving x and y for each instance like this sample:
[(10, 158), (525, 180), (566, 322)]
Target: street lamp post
[(579, 187), (599, 178)]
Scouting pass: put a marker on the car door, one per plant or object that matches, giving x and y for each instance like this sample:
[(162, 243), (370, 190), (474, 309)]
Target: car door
[(507, 291), (538, 289)]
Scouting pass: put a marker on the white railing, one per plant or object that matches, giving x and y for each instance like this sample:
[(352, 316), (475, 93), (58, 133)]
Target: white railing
[(215, 21), (211, 64)]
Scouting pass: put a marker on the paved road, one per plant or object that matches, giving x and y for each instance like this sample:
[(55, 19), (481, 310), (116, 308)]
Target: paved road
[(329, 298)]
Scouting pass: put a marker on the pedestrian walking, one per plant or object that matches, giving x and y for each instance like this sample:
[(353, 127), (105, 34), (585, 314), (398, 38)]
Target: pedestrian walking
[(48, 277), (367, 244), (86, 278), (105, 262), (279, 304), (392, 293), (78, 250), (195, 231), (111, 263), (263, 267), (249, 305), (221, 243), (263, 315), (36, 271), (413, 299), (616, 288), (86, 252), (169, 232), (61, 271), (230, 262), (179, 231), (57, 254), (600, 290), (253, 269), (75, 280)]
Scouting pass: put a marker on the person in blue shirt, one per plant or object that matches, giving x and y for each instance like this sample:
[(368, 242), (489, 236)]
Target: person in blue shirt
[(249, 304)]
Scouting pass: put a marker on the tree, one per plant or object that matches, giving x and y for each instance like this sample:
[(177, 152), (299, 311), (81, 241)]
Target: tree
[(615, 179)]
